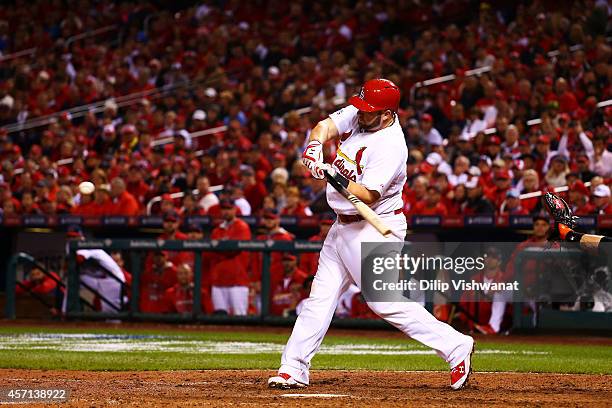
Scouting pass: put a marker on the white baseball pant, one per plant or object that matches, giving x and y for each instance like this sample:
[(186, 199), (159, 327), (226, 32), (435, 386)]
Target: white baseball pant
[(233, 299), (339, 266)]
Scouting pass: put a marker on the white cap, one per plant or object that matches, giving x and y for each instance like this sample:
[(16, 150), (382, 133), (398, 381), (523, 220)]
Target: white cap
[(199, 115), (445, 168), (434, 158), (86, 188), (7, 101), (273, 70), (210, 92), (435, 139), (472, 183), (602, 191)]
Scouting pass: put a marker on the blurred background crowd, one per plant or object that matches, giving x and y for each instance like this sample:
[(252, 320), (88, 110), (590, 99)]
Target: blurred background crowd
[(216, 100)]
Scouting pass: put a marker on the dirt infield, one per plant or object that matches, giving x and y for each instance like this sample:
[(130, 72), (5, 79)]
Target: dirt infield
[(225, 388)]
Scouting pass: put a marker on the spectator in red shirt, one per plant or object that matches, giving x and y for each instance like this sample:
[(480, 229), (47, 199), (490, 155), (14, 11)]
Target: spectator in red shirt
[(497, 194), (432, 204), (124, 203), (28, 206), (458, 197), (136, 185), (286, 287), (157, 276), (254, 190), (530, 183), (191, 207), (579, 199), (601, 199), (85, 206), (512, 204), (179, 298), (294, 205), (229, 275)]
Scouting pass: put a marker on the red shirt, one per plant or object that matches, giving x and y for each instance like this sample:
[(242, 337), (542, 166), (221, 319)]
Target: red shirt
[(179, 299), (478, 304), (178, 257), (153, 286), (255, 195), (422, 208), (125, 204), (230, 268), (45, 286), (276, 257), (284, 294), (309, 261)]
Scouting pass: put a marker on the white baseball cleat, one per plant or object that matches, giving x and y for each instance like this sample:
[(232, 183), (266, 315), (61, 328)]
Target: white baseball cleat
[(460, 374), (284, 381)]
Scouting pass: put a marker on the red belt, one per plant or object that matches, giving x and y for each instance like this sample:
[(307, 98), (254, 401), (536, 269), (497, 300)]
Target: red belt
[(348, 219)]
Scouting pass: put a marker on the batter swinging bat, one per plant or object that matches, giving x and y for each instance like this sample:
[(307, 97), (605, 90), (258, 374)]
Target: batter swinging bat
[(366, 212)]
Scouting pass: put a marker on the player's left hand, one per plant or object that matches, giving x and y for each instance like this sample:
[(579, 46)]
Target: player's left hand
[(313, 157)]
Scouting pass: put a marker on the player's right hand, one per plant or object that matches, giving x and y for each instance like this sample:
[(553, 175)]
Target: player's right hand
[(312, 157)]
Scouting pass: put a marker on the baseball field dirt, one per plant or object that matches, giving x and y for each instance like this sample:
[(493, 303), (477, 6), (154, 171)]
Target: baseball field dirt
[(224, 388)]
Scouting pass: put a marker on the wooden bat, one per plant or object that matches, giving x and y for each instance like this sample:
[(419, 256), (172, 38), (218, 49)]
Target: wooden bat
[(366, 212)]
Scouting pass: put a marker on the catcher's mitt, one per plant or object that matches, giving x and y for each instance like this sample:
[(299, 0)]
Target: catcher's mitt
[(560, 211)]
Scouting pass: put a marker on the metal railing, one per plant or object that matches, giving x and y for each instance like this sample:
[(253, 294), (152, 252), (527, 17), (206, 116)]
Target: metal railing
[(139, 246)]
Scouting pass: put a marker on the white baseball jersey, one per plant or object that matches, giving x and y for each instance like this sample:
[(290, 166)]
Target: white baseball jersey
[(377, 160)]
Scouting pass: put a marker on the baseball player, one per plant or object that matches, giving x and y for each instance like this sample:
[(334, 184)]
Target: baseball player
[(371, 164)]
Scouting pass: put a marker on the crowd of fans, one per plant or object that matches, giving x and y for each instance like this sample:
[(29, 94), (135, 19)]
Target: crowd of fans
[(249, 68), (226, 93)]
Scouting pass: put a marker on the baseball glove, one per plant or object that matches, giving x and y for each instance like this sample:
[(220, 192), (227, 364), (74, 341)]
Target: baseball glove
[(560, 211)]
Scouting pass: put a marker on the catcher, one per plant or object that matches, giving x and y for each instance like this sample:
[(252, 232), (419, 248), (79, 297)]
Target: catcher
[(565, 222)]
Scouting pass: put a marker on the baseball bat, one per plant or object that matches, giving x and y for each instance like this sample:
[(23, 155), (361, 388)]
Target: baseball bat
[(555, 190), (366, 212)]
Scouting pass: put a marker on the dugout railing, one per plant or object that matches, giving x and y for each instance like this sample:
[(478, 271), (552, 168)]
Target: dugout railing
[(547, 318)]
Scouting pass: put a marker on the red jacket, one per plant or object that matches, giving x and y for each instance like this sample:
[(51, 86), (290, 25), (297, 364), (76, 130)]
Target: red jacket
[(286, 292), (276, 257), (309, 261), (153, 286), (178, 257), (230, 268)]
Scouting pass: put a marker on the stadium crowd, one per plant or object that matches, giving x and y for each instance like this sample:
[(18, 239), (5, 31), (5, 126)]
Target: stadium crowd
[(259, 75)]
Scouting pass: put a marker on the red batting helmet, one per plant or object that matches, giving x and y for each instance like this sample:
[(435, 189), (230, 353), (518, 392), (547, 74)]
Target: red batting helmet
[(377, 95)]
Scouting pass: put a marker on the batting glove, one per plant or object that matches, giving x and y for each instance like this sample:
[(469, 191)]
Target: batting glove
[(312, 157)]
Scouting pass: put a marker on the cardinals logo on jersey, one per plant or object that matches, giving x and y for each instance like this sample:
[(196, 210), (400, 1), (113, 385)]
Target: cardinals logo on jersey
[(341, 164)]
